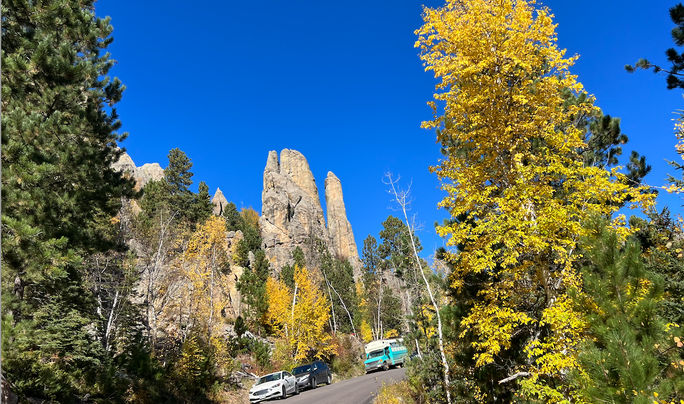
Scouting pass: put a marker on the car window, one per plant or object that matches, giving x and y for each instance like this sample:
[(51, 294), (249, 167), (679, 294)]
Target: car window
[(269, 378), (287, 374), (301, 369)]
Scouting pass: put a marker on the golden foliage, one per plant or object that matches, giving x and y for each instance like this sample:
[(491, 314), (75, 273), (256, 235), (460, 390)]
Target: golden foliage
[(366, 331), (204, 265), (514, 176), (250, 216), (392, 333), (300, 316)]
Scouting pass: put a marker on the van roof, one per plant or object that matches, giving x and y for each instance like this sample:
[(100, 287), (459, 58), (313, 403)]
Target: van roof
[(381, 344)]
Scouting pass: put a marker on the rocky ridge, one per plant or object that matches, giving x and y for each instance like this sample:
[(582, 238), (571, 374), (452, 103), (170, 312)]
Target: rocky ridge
[(146, 173)]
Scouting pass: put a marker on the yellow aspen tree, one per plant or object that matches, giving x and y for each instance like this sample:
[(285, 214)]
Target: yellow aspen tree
[(366, 331), (302, 324), (516, 186), (205, 262), (279, 299)]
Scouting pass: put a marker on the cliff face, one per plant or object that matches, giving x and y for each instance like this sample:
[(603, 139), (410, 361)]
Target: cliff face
[(291, 214)]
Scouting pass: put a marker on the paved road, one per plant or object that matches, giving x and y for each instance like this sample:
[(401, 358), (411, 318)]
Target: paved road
[(359, 390)]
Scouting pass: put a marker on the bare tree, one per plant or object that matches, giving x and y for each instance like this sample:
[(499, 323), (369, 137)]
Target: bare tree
[(402, 198)]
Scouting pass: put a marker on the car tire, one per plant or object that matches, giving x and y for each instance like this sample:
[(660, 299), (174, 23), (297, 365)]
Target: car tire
[(296, 388), (313, 383), (329, 379), (385, 366), (284, 396)]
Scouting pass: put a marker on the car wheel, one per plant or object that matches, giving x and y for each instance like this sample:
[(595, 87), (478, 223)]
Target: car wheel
[(385, 366), (296, 388), (329, 380), (284, 396), (313, 383)]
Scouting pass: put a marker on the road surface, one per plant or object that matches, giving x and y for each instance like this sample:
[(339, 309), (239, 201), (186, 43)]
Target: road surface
[(359, 390)]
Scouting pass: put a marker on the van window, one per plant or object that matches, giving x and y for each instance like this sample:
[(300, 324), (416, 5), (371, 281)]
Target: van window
[(374, 354)]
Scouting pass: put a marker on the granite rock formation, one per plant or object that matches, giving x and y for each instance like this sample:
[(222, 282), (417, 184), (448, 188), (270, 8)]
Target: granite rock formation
[(339, 229), (219, 201), (291, 214), (143, 174)]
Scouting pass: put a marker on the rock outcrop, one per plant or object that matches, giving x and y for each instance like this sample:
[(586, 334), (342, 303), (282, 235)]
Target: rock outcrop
[(147, 173), (219, 201), (339, 229), (142, 175), (291, 214)]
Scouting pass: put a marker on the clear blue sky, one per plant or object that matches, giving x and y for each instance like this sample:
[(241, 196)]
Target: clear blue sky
[(341, 82)]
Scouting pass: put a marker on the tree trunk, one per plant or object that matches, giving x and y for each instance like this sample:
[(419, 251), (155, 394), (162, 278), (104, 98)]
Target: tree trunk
[(402, 201)]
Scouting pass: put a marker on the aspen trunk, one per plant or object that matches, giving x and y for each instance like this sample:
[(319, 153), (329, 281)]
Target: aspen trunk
[(402, 201)]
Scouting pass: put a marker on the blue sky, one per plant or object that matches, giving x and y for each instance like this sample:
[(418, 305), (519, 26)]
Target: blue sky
[(341, 82)]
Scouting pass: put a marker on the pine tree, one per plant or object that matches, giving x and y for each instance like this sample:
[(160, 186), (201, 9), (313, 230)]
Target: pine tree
[(662, 243), (201, 204), (59, 138), (630, 354), (252, 286), (675, 75)]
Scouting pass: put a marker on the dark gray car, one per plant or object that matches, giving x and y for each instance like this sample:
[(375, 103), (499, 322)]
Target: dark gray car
[(312, 375)]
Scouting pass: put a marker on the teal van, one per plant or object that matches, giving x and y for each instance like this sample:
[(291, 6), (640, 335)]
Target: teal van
[(384, 353)]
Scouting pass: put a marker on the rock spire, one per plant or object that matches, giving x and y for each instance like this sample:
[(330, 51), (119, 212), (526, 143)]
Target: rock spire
[(292, 216)]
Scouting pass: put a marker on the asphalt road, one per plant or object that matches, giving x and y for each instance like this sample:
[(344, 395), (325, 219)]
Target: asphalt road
[(359, 390)]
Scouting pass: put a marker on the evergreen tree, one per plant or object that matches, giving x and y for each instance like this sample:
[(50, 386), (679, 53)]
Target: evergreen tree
[(675, 73), (340, 276), (604, 139), (201, 204), (629, 354), (395, 248), (233, 221), (288, 270), (59, 139), (662, 244), (178, 174), (252, 286)]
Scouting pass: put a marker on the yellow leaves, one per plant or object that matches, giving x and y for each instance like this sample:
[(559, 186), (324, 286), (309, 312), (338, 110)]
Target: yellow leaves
[(300, 315), (203, 264), (516, 177), (366, 331), (391, 333), (279, 301), (494, 326)]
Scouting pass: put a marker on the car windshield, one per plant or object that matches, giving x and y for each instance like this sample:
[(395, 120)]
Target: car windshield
[(301, 369), (373, 354), (269, 378)]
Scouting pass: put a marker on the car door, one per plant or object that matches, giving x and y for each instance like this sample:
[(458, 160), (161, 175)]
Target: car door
[(325, 371), (314, 373), (289, 382)]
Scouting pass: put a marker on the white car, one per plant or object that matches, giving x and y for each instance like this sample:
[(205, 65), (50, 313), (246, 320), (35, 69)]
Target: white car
[(278, 384)]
